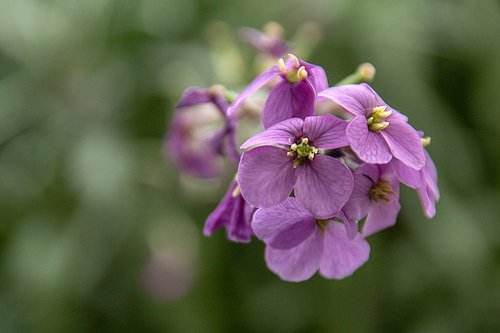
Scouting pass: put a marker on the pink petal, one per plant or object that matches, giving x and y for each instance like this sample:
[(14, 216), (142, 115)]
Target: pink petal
[(288, 100), (369, 146), (341, 256), (381, 215), (266, 176), (428, 201), (358, 99), (364, 177), (405, 145), (323, 186), (255, 85), (326, 132), (298, 263), (430, 175), (317, 77), (283, 226), (408, 176), (283, 133), (351, 227), (429, 192)]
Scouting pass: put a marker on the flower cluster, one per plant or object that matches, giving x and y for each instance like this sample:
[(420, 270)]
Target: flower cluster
[(322, 174)]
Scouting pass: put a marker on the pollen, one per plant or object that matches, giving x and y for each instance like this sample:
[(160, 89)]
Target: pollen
[(321, 224), (381, 191), (281, 64), (425, 141), (375, 118), (297, 73), (302, 150)]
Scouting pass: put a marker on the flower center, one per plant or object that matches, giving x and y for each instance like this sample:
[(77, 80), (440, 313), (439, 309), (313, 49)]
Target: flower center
[(375, 118), (296, 74), (322, 224), (381, 191), (302, 150)]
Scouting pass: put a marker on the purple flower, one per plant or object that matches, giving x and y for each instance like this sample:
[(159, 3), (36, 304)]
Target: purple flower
[(269, 42), (376, 196), (286, 157), (293, 96), (200, 133), (377, 133), (298, 244), (232, 213)]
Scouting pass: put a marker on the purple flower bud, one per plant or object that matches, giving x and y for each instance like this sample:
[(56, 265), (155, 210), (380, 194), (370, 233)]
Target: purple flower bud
[(293, 96), (287, 157), (234, 214), (298, 244), (201, 134), (377, 133), (269, 42)]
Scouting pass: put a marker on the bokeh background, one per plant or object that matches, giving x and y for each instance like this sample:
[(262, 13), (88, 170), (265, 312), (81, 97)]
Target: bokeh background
[(100, 233)]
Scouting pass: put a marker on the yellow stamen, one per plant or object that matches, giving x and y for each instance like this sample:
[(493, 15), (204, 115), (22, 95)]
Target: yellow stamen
[(281, 63), (379, 126), (296, 62), (425, 141), (236, 191), (302, 73)]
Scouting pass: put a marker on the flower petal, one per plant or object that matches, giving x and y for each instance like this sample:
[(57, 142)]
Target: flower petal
[(326, 132), (255, 85), (364, 177), (283, 226), (193, 156), (381, 215), (283, 133), (408, 176), (341, 256), (430, 175), (220, 217), (369, 146), (351, 227), (298, 263), (316, 75), (275, 47), (323, 186), (405, 145), (429, 192), (266, 176), (358, 99), (428, 201), (193, 96), (288, 100)]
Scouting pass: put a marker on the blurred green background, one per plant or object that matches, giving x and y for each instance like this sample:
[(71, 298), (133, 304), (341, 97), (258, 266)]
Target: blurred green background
[(100, 233)]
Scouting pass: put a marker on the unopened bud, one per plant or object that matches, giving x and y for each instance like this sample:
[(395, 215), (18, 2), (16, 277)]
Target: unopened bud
[(366, 71), (273, 29)]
